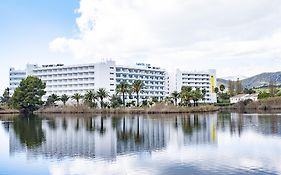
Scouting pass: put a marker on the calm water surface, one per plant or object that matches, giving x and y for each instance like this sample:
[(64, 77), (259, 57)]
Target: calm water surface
[(220, 143)]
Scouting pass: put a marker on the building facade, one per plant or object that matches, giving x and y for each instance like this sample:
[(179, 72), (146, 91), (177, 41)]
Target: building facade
[(243, 97), (198, 79), (15, 77), (154, 79), (61, 79), (70, 79)]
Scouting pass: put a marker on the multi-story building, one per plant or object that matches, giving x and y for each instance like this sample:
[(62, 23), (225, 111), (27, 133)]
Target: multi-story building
[(154, 79), (198, 79), (16, 76), (69, 79)]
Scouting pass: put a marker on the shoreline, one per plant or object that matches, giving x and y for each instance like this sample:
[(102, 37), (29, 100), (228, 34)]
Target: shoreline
[(157, 109), (3, 112)]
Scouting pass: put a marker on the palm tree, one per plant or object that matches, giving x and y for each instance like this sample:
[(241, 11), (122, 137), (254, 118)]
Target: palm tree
[(77, 97), (204, 91), (123, 88), (196, 96), (217, 90), (102, 93), (64, 98), (115, 101), (137, 87), (222, 88), (186, 95), (90, 98), (52, 99), (175, 95)]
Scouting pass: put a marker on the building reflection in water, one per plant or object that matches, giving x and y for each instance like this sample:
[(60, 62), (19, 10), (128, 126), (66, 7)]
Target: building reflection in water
[(105, 137)]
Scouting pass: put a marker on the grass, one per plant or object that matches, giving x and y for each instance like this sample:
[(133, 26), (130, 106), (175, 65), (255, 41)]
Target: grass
[(156, 109), (259, 90)]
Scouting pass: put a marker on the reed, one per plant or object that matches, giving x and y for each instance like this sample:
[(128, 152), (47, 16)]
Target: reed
[(156, 109)]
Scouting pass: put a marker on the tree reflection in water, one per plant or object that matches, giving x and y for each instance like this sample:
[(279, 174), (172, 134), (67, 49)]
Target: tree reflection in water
[(77, 124), (90, 124), (137, 136), (29, 131), (52, 124), (124, 135), (64, 124), (186, 125), (73, 135), (102, 128)]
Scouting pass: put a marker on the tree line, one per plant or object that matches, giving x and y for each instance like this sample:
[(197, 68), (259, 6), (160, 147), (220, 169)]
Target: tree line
[(28, 96)]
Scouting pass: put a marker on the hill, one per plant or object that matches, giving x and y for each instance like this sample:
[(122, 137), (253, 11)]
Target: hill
[(260, 80)]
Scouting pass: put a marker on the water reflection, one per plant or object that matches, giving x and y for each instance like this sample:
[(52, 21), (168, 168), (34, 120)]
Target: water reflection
[(173, 137), (106, 136), (103, 136), (28, 130), (235, 123)]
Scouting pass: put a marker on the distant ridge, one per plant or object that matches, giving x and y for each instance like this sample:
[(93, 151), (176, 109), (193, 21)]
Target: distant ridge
[(260, 80)]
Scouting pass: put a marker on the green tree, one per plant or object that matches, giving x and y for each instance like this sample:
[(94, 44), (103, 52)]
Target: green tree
[(196, 96), (52, 99), (155, 100), (77, 97), (123, 88), (6, 96), (249, 91), (222, 88), (217, 90), (115, 101), (137, 86), (186, 95), (204, 92), (28, 96), (175, 95), (102, 93), (64, 98), (263, 95), (90, 97), (169, 100)]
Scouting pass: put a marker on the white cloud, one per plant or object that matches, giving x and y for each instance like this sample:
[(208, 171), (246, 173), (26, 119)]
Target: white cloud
[(189, 34)]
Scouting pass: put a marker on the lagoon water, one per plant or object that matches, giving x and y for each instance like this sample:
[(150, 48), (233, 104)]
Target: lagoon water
[(216, 143)]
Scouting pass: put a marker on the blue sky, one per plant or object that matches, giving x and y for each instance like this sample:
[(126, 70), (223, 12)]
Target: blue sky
[(241, 37), (26, 29)]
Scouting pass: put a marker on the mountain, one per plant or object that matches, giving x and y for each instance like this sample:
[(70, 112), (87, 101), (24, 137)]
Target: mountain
[(234, 78), (259, 80)]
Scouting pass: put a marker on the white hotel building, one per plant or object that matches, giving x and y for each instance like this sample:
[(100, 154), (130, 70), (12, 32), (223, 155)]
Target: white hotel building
[(61, 79), (15, 76), (198, 79), (69, 79)]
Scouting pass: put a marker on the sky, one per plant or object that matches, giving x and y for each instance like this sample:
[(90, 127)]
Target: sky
[(238, 38)]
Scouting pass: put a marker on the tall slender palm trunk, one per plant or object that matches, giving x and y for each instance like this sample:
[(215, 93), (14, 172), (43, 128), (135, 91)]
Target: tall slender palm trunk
[(138, 100), (124, 99)]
